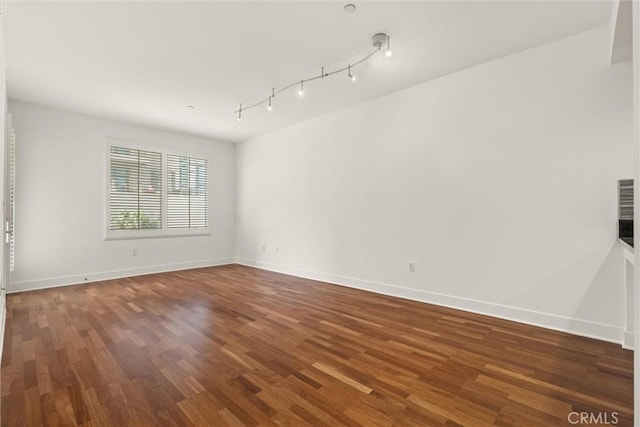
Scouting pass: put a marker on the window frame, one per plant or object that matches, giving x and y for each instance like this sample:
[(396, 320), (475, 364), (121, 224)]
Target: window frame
[(164, 231)]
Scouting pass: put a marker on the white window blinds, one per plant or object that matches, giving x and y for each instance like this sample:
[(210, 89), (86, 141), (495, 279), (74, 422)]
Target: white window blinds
[(186, 192), (625, 199), (135, 190), (12, 200)]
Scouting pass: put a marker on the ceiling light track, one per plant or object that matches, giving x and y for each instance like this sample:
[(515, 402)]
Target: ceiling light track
[(379, 41)]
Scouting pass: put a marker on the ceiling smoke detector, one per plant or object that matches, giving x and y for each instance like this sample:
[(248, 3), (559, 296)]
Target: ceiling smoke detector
[(349, 8)]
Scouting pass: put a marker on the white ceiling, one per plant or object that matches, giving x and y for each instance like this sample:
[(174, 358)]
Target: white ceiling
[(144, 62)]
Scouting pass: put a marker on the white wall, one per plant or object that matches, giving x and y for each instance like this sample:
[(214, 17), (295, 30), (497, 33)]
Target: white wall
[(498, 181), (60, 202)]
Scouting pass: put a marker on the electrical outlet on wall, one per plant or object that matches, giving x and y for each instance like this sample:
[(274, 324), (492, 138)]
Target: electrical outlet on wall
[(412, 266), (134, 252)]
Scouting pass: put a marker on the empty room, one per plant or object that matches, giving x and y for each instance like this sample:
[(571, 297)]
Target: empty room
[(319, 213)]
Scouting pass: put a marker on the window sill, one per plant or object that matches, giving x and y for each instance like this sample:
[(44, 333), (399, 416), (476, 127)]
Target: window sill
[(157, 236)]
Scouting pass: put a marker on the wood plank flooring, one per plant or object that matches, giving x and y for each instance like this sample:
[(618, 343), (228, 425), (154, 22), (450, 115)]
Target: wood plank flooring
[(238, 346)]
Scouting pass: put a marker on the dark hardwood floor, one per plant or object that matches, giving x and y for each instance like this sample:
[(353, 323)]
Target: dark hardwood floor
[(239, 346)]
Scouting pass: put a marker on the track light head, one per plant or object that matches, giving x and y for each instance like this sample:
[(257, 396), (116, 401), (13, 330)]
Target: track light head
[(301, 89), (269, 106), (351, 76)]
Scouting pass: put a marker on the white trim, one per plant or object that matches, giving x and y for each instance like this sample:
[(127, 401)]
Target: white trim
[(628, 342), (3, 320), (52, 282), (584, 328), (580, 327), (193, 232), (627, 250)]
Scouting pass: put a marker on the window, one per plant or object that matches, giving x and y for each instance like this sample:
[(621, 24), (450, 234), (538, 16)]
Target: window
[(139, 206), (625, 199), (10, 224), (186, 192), (135, 200)]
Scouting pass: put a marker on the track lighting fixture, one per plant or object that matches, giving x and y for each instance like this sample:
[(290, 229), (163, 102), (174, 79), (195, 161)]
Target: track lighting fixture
[(379, 41)]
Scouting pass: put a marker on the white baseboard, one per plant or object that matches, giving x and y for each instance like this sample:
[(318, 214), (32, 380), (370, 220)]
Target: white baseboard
[(3, 314), (580, 327), (629, 340), (546, 320), (77, 279), (3, 319)]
